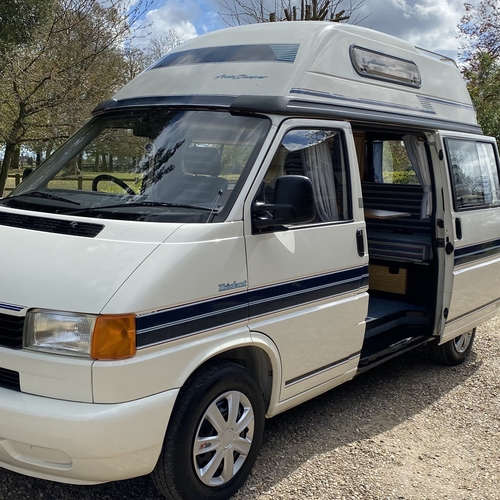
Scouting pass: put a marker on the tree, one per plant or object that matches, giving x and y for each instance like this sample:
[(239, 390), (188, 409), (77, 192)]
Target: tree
[(480, 58), (237, 12), (483, 82), (159, 45), (75, 61), (137, 59), (480, 28), (19, 19)]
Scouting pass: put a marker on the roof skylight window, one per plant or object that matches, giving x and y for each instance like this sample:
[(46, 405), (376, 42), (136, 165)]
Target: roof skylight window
[(372, 64)]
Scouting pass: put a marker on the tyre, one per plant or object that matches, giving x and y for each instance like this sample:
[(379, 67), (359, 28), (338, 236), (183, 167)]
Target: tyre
[(213, 437), (455, 351)]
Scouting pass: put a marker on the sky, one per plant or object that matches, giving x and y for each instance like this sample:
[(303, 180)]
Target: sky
[(430, 24)]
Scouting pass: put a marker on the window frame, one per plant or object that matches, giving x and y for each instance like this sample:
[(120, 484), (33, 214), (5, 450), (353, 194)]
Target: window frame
[(475, 141), (347, 188)]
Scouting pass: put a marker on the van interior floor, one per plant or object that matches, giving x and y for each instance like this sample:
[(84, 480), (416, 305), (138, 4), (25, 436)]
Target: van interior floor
[(392, 327)]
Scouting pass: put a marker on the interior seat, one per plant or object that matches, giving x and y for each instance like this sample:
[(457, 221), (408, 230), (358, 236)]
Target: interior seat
[(200, 182)]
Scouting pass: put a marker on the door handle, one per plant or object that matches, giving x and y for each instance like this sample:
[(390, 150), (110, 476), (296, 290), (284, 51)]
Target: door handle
[(458, 228), (360, 242)]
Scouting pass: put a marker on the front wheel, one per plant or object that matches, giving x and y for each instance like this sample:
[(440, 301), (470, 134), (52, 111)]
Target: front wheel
[(213, 437), (455, 351)]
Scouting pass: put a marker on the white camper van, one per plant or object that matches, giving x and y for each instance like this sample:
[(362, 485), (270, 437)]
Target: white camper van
[(264, 213)]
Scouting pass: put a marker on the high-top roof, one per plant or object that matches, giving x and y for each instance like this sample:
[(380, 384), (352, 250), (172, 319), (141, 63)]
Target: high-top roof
[(318, 62)]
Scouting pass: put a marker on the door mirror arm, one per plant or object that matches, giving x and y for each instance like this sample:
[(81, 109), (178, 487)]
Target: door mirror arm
[(268, 214), (294, 204)]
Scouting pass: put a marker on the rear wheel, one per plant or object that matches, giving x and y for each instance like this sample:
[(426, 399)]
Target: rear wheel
[(455, 351), (213, 437)]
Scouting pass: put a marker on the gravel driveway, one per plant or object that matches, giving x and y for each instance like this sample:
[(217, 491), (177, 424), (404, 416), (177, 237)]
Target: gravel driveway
[(409, 429)]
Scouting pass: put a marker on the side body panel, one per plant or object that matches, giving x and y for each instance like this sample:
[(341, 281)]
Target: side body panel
[(307, 286), (191, 302)]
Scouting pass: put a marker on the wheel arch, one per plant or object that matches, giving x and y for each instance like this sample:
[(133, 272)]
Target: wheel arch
[(261, 360), (256, 361)]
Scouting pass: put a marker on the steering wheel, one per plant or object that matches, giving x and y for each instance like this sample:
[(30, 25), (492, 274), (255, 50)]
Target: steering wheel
[(112, 178)]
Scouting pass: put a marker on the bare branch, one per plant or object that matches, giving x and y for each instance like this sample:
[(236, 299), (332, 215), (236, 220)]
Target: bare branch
[(238, 12)]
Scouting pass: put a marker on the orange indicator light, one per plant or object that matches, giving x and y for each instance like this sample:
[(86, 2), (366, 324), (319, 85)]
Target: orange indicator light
[(114, 337)]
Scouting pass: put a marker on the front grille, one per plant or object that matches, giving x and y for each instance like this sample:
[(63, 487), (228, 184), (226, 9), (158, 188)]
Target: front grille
[(73, 228), (9, 379), (11, 331)]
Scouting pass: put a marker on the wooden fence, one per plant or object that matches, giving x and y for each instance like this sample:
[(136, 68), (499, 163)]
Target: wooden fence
[(78, 179)]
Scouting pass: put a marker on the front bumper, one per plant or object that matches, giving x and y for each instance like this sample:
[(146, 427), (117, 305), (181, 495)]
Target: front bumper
[(82, 443)]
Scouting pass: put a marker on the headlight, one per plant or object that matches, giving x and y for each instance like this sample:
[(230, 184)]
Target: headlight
[(82, 335), (58, 332)]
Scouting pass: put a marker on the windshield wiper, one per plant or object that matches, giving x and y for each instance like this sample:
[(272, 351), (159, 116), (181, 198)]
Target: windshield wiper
[(214, 211), (143, 204), (41, 194)]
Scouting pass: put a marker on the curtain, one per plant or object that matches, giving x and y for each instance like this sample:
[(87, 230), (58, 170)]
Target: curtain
[(489, 176), (418, 157), (319, 169), (378, 175)]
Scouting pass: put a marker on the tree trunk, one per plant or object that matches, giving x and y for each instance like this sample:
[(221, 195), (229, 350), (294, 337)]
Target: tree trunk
[(72, 168), (7, 160), (10, 159), (49, 149), (13, 142), (14, 163)]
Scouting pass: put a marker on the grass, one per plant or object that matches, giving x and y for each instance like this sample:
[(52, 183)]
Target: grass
[(71, 182)]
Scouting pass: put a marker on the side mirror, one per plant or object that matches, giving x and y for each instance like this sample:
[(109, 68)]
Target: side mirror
[(294, 203)]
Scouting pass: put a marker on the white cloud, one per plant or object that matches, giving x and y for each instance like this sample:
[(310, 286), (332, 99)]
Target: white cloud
[(210, 21), (189, 17), (431, 24), (403, 7), (173, 14)]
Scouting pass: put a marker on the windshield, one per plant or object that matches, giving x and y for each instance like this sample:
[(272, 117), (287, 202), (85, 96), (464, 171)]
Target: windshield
[(160, 165)]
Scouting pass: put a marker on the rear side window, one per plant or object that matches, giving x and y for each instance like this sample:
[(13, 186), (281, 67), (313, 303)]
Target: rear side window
[(391, 163), (474, 174)]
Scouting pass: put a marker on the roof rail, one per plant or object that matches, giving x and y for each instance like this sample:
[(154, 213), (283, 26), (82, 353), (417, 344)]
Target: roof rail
[(435, 55)]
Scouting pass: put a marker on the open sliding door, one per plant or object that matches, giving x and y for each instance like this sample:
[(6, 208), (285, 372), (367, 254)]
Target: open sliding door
[(472, 246)]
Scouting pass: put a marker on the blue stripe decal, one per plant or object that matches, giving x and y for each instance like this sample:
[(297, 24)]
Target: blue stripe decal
[(215, 313), (274, 298), (11, 307), (426, 101), (472, 253), (305, 376), (436, 100), (370, 102), (186, 320)]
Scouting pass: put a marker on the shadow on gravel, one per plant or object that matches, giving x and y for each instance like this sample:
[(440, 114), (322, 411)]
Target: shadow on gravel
[(368, 405), (372, 403)]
